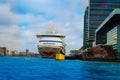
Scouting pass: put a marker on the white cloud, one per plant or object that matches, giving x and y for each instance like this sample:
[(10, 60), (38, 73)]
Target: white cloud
[(9, 31), (6, 15), (28, 33), (86, 2), (67, 16), (9, 37)]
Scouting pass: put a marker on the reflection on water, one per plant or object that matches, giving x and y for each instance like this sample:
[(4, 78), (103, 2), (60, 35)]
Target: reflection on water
[(21, 68)]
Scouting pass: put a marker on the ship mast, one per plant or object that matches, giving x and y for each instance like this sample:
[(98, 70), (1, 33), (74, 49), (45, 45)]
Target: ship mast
[(53, 29)]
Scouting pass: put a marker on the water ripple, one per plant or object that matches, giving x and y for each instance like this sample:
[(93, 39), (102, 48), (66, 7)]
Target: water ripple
[(22, 68)]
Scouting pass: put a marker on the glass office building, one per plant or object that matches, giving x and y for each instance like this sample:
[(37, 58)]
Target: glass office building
[(113, 38), (99, 10), (108, 33), (86, 42)]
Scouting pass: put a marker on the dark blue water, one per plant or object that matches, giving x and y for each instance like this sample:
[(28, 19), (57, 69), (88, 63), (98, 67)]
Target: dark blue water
[(21, 68)]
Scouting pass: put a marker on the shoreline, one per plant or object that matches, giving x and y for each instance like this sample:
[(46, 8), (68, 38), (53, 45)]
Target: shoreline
[(68, 58)]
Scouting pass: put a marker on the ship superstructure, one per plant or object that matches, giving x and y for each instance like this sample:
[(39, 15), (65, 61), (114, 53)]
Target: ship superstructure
[(51, 43)]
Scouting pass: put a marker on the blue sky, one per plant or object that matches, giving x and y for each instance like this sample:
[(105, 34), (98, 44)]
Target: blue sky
[(22, 20)]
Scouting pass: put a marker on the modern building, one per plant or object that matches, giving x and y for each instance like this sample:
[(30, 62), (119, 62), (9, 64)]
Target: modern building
[(98, 12), (102, 24), (108, 32), (86, 42)]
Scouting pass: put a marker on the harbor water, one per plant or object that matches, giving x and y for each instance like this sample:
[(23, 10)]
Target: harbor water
[(26, 68)]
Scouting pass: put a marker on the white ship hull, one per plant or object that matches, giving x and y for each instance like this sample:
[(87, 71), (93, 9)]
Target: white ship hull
[(49, 46), (50, 52), (51, 43)]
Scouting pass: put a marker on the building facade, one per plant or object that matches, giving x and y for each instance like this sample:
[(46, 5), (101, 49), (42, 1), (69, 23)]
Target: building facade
[(108, 33), (86, 42), (3, 51), (98, 12), (113, 38)]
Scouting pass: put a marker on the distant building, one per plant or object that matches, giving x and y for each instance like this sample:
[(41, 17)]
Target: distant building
[(13, 53), (16, 53), (27, 50), (98, 12), (3, 51), (109, 31)]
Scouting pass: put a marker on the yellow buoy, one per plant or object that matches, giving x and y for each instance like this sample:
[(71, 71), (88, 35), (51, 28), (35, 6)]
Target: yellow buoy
[(59, 56)]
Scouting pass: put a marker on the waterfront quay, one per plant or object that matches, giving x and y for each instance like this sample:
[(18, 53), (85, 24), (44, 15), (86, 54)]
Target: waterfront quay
[(86, 55), (5, 52)]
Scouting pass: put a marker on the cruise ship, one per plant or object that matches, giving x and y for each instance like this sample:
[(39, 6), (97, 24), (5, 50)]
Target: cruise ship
[(51, 43)]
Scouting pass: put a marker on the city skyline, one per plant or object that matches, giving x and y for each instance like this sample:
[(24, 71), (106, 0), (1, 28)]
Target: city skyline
[(22, 20)]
